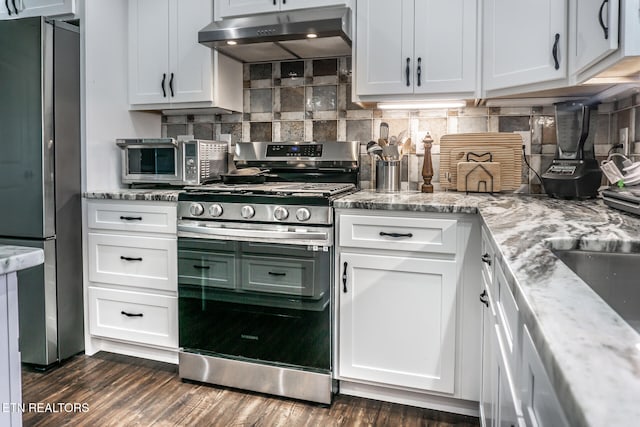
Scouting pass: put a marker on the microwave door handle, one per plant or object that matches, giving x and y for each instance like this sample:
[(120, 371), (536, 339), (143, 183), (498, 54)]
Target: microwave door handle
[(124, 145)]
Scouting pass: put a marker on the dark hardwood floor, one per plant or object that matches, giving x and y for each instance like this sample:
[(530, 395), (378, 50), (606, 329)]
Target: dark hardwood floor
[(126, 391)]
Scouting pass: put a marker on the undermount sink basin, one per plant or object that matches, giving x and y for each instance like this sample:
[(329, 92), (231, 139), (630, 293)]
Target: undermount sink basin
[(613, 276)]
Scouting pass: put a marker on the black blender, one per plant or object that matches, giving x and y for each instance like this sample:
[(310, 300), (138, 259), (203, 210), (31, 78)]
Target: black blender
[(574, 172)]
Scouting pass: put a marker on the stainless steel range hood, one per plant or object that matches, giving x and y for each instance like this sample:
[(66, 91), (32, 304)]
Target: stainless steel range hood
[(283, 35)]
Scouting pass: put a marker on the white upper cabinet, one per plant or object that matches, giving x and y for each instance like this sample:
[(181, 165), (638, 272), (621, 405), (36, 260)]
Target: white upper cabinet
[(594, 25), (168, 68), (230, 8), (25, 8), (525, 42), (416, 47)]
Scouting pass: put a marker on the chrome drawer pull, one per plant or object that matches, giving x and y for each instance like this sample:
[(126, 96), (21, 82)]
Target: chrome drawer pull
[(127, 258), (131, 218), (131, 314), (382, 233), (271, 273)]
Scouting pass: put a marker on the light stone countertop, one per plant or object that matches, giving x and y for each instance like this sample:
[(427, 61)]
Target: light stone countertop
[(590, 353), (170, 195), (15, 258)]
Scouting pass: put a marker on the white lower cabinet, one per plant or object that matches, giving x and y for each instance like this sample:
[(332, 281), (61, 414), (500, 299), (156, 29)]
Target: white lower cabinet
[(132, 291), (515, 390), (539, 401), (406, 294), (397, 321)]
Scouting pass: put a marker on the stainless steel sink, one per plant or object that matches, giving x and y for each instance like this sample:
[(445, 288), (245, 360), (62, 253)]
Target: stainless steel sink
[(613, 276)]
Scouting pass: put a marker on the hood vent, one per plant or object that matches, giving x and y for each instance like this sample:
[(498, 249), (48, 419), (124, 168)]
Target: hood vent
[(309, 33)]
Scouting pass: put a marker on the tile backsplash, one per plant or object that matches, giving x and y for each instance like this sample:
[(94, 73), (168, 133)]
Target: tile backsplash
[(310, 100)]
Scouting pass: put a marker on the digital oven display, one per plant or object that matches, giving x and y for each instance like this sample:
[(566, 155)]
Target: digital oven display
[(294, 150)]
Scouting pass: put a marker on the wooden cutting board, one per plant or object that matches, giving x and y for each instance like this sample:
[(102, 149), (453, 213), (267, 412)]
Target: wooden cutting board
[(480, 177), (506, 149)]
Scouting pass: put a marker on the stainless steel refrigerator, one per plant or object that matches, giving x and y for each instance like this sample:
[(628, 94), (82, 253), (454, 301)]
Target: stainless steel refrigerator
[(40, 203)]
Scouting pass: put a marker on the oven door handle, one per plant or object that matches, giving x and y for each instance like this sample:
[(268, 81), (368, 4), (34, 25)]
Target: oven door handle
[(243, 233)]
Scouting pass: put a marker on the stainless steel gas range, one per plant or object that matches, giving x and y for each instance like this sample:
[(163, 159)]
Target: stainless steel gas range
[(255, 266)]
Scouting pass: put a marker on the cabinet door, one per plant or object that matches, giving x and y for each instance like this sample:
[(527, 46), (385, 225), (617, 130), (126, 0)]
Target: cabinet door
[(229, 8), (524, 42), (27, 8), (540, 404), (596, 31), (190, 69), (445, 46), (489, 365), (148, 51), (384, 51), (397, 321)]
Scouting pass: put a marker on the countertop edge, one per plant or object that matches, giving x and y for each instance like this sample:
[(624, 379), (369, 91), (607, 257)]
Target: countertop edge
[(16, 258)]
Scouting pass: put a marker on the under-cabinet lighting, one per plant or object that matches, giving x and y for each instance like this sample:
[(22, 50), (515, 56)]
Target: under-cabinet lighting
[(232, 42), (312, 35), (422, 105)]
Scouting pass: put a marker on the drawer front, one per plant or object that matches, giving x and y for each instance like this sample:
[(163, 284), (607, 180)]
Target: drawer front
[(488, 258), (145, 262), (129, 216), (395, 233), (508, 313), (280, 276), (207, 269), (133, 316)]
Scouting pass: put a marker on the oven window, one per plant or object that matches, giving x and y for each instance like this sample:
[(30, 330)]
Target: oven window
[(153, 161), (263, 302)]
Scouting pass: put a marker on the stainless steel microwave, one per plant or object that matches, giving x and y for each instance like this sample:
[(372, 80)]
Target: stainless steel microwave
[(172, 162)]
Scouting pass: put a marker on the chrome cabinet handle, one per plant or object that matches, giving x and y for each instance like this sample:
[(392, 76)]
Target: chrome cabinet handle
[(344, 278), (131, 314), (382, 233), (127, 258), (604, 27), (486, 258), (483, 298), (555, 51)]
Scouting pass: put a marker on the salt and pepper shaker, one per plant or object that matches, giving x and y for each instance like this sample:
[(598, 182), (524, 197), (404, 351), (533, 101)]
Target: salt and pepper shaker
[(427, 166)]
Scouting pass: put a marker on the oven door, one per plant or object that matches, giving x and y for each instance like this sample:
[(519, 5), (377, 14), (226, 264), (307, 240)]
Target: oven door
[(256, 301), (159, 163)]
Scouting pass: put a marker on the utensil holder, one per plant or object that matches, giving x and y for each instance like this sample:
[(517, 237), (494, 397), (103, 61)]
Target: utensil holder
[(388, 176)]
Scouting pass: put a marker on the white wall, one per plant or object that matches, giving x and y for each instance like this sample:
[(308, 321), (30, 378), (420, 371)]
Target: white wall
[(106, 115)]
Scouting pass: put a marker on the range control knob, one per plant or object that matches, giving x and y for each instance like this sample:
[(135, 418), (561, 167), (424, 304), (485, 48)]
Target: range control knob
[(196, 209), (303, 214), (215, 210), (191, 162), (247, 212), (280, 213)]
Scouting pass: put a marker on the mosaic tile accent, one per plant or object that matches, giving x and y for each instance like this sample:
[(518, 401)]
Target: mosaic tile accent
[(235, 129), (203, 130), (260, 71), (325, 130), (261, 100), (292, 131), (514, 123), (323, 98), (291, 69), (291, 99), (359, 130), (173, 130), (261, 131), (325, 67)]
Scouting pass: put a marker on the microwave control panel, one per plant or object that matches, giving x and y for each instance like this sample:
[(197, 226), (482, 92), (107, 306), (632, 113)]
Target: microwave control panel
[(191, 161)]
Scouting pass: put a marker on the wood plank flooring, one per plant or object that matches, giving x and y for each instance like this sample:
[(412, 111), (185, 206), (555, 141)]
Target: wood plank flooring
[(127, 391)]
